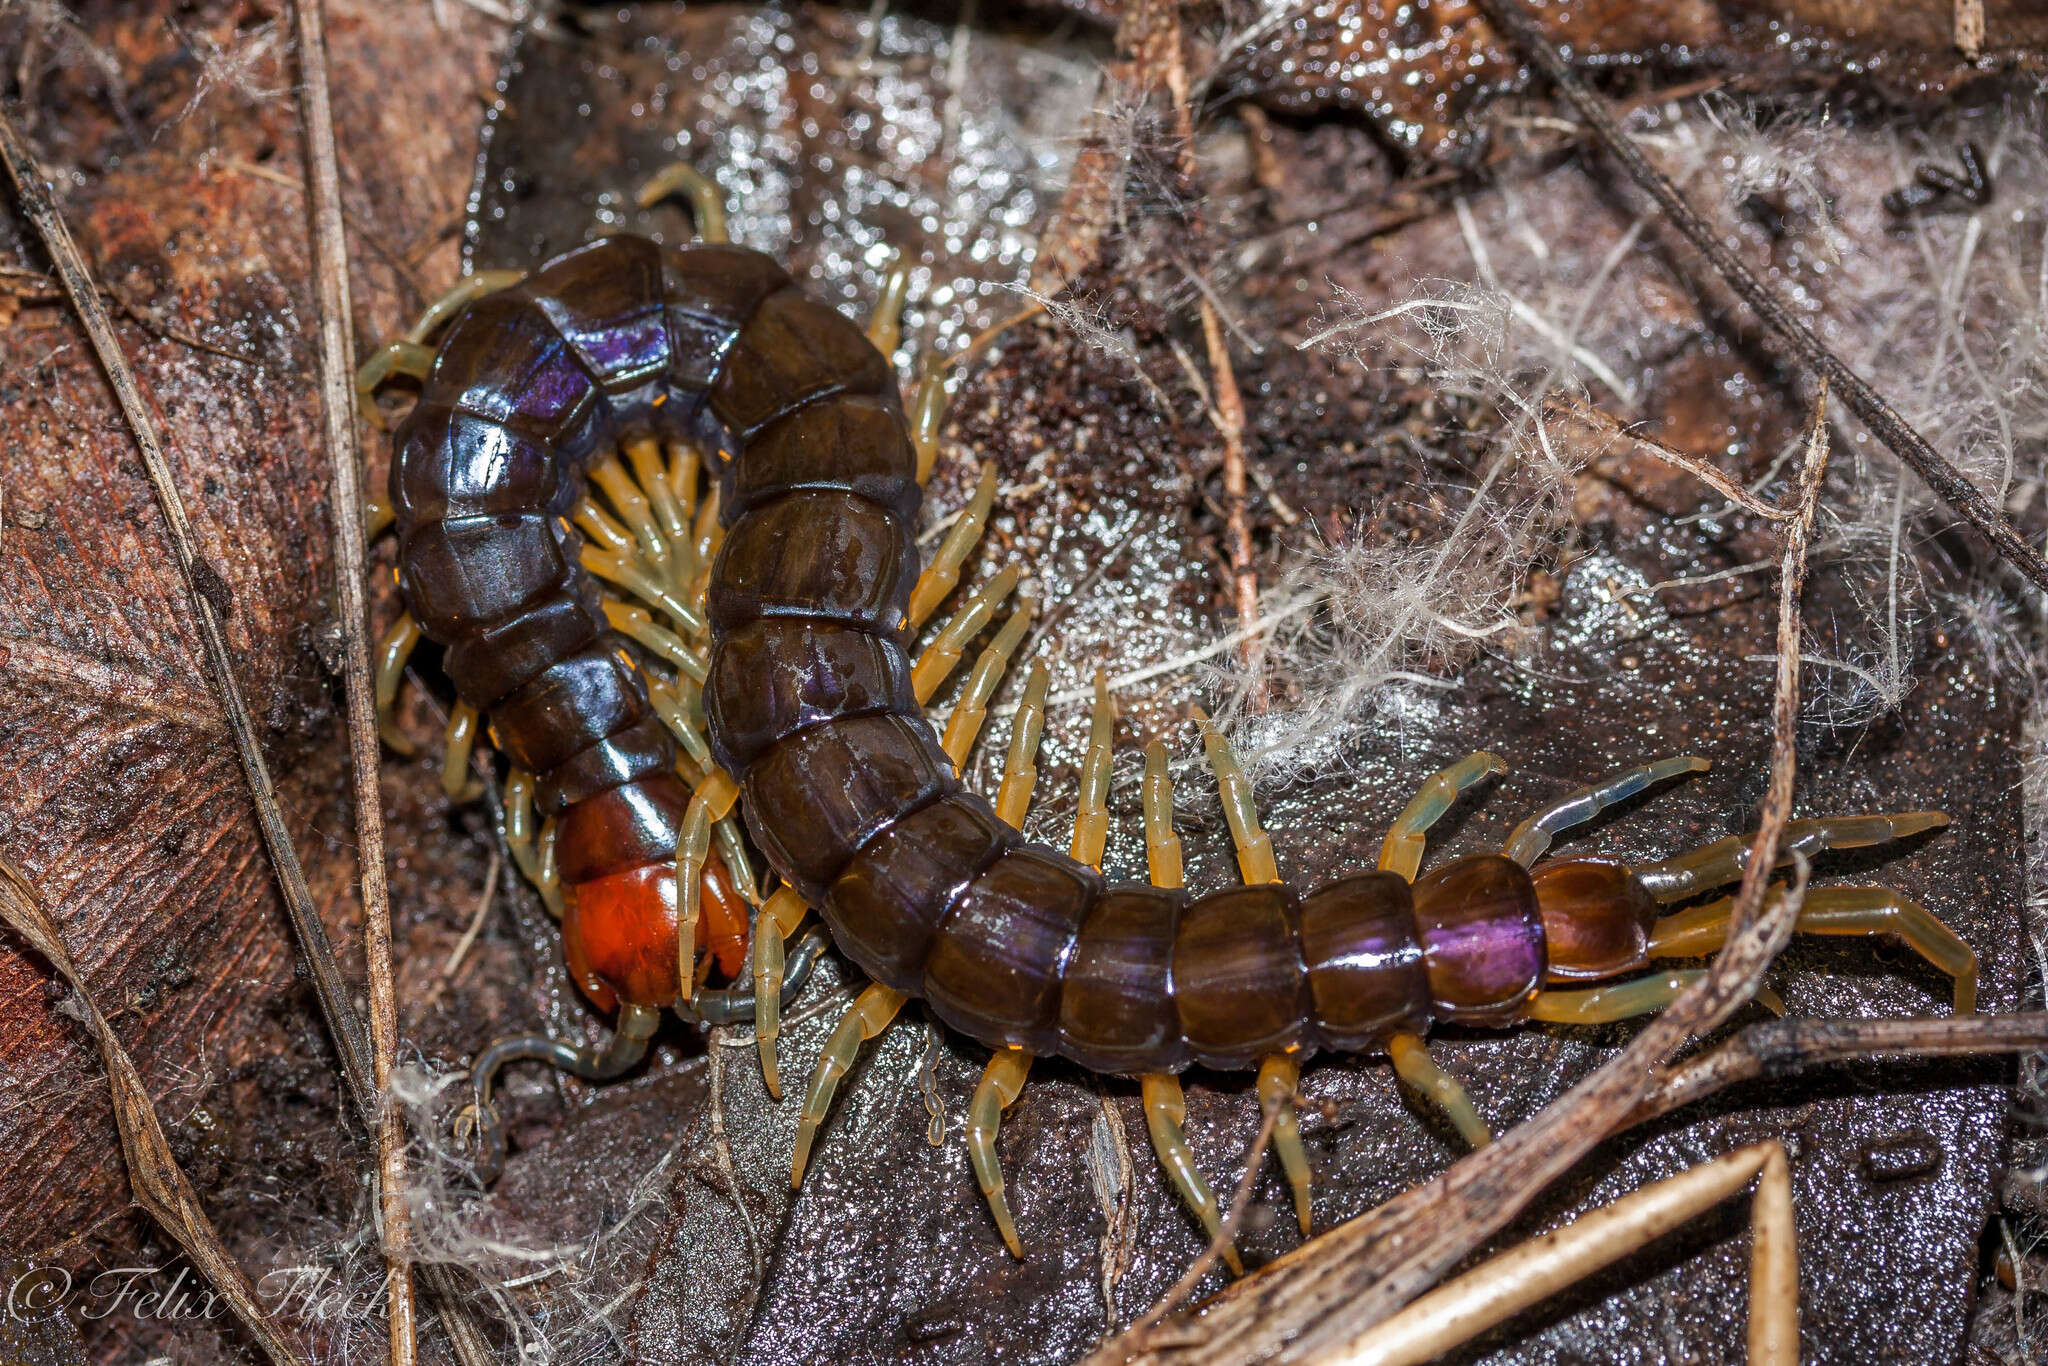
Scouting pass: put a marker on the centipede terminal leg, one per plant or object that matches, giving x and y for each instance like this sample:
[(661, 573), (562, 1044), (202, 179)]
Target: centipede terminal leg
[(1413, 1065), (1165, 1103), (868, 1016), (1531, 839), (1401, 850), (1720, 863), (392, 652), (1702, 930), (626, 1047)]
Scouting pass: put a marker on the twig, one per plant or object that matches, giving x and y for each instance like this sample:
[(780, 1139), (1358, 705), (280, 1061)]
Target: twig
[(345, 508), (1513, 20), (469, 935), (1362, 1271), (160, 1185), (212, 600), (1605, 424)]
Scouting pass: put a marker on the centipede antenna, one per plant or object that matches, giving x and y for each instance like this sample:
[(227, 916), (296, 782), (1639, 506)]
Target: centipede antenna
[(1279, 1080), (1254, 845), (1000, 1085), (1020, 767), (1401, 850), (636, 625), (1531, 839), (1091, 814), (944, 570), (456, 783), (868, 1016), (777, 919), (936, 664), (626, 1047), (1166, 1111), (707, 201), (392, 652), (1717, 864), (1162, 845), (1701, 930), (963, 726), (1413, 1065)]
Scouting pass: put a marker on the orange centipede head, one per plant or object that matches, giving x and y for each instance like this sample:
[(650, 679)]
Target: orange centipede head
[(619, 932)]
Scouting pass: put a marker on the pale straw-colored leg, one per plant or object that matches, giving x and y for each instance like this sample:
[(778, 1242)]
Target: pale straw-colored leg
[(377, 518), (1091, 812), (885, 324), (1401, 850), (456, 783), (1279, 1081), (635, 507), (927, 415), (638, 626), (667, 701), (410, 355), (868, 1016), (1020, 767), (713, 798), (1165, 1103), (1605, 1005), (1166, 1111), (1701, 930), (1001, 1083), (963, 726), (776, 922), (942, 656), (943, 572), (1413, 1065), (392, 651), (653, 477), (1254, 846), (706, 200), (1458, 1311), (1720, 863), (611, 553), (1531, 839), (521, 838)]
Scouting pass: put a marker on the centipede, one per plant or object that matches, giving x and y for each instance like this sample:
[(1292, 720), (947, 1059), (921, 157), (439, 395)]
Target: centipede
[(720, 661)]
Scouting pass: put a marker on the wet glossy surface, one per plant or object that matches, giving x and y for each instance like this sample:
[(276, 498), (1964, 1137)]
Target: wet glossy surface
[(1482, 939)]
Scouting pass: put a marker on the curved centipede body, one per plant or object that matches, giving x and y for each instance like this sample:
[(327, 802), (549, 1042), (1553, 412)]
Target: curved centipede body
[(811, 707)]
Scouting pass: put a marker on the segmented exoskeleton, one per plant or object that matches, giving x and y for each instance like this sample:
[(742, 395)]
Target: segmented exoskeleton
[(814, 709)]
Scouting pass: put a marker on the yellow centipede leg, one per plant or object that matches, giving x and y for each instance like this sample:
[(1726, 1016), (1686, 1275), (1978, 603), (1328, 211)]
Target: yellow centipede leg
[(518, 833), (868, 1016), (964, 724), (1020, 766), (1166, 1110), (885, 324), (944, 570), (1413, 1065), (392, 651), (1254, 845), (942, 656), (712, 799), (1279, 1080), (1091, 815), (707, 201), (776, 921), (455, 779), (1401, 850), (1001, 1083)]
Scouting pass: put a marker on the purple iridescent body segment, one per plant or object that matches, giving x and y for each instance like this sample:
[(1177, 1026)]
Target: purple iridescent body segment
[(1482, 936)]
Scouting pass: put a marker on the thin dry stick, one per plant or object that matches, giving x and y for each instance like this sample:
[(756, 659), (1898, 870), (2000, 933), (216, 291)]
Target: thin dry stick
[(468, 939), (160, 1185), (1898, 435), (1607, 425), (345, 507), (212, 600), (1363, 1270)]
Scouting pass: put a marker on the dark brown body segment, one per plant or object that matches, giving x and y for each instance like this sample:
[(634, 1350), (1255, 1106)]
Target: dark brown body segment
[(808, 696)]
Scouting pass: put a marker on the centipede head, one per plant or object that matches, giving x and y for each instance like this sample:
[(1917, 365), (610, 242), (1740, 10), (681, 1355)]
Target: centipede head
[(619, 936), (1597, 917)]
